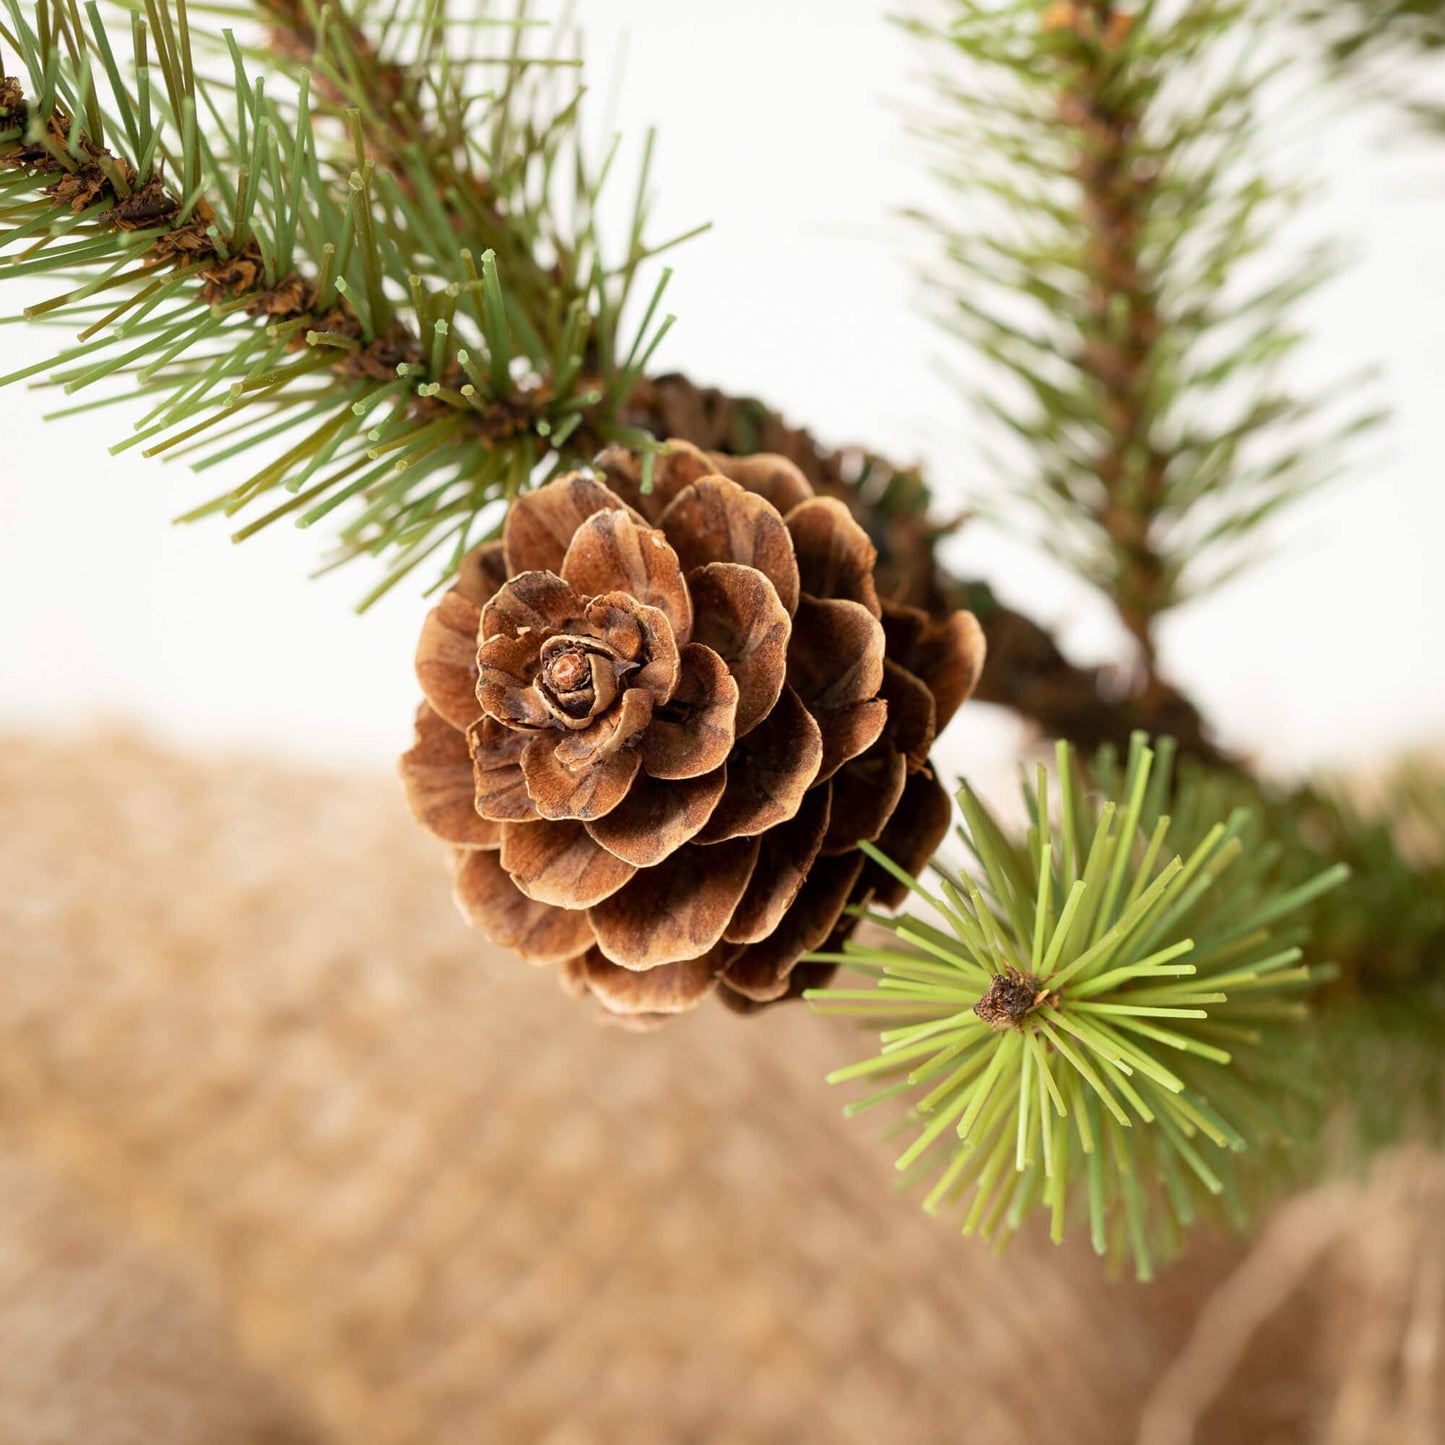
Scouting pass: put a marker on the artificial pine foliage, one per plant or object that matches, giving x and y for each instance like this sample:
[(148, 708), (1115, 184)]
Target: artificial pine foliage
[(1112, 262), (385, 262), (1395, 47), (1104, 255), (1380, 1020), (1116, 969), (347, 255)]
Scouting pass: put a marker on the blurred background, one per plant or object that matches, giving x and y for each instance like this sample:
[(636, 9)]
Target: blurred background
[(288, 1155)]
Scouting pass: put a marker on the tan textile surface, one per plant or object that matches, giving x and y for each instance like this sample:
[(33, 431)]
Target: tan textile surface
[(288, 1155)]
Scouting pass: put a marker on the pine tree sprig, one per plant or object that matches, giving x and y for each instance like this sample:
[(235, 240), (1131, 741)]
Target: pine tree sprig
[(1113, 266), (401, 315), (1393, 48), (1382, 1018), (1095, 1023)]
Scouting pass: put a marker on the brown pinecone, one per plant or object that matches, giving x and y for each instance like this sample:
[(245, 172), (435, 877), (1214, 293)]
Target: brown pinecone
[(658, 724)]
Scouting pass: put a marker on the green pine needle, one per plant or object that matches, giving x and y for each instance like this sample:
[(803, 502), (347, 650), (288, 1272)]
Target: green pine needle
[(1381, 1021), (1388, 50), (1110, 253), (376, 272), (1096, 1023)]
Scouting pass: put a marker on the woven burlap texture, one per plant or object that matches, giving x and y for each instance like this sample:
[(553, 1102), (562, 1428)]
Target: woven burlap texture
[(382, 1185)]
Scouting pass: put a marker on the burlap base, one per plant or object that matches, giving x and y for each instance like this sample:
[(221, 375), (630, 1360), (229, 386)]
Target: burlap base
[(290, 1155)]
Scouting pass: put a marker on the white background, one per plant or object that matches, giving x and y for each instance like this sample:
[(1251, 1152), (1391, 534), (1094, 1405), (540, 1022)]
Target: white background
[(779, 123)]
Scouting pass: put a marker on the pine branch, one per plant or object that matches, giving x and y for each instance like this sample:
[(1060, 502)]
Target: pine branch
[(415, 119), (1393, 47), (1383, 1016), (1097, 1018), (276, 284), (1114, 208)]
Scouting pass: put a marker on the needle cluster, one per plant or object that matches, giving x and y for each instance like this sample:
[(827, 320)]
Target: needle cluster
[(1102, 1018), (382, 271)]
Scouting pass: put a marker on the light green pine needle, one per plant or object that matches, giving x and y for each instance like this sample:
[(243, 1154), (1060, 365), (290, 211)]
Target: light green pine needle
[(1103, 1027)]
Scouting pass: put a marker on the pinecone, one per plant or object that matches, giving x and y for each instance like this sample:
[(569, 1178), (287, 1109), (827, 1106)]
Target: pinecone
[(657, 725)]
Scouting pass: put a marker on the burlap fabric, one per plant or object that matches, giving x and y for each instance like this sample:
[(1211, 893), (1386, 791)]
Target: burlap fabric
[(288, 1156)]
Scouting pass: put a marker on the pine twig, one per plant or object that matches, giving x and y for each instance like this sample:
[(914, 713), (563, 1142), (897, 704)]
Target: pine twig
[(1108, 1015), (268, 264), (1109, 265)]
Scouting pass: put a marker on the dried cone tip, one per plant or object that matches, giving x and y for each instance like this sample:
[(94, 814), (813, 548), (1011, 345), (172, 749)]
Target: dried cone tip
[(1011, 997)]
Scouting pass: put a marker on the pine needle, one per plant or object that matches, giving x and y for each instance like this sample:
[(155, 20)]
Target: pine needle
[(1133, 968), (299, 242)]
